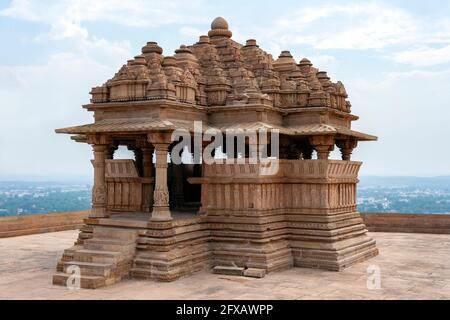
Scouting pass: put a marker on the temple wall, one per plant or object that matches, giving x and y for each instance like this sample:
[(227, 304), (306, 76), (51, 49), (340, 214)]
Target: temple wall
[(305, 210)]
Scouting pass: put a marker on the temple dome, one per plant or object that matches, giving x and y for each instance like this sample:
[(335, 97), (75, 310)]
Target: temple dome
[(219, 23), (219, 28)]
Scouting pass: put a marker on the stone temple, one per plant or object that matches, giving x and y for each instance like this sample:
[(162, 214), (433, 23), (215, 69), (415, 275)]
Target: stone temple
[(153, 218)]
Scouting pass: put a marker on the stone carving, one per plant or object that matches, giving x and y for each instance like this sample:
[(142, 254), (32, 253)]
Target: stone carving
[(98, 195), (161, 197), (215, 64)]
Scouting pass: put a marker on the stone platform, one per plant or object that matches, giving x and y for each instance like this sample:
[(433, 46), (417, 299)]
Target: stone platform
[(412, 266)]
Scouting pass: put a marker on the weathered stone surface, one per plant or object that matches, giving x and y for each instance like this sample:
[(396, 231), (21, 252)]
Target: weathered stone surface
[(254, 273), (228, 270)]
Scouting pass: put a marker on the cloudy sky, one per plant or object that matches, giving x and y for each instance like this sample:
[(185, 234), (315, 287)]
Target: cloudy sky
[(393, 57)]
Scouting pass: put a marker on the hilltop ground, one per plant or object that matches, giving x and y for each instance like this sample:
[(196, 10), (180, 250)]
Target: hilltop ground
[(412, 266)]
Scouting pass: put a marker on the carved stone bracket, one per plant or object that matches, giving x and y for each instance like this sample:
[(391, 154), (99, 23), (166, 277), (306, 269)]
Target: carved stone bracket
[(346, 147)]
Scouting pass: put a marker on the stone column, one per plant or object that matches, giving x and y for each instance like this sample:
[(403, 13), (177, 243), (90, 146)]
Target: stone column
[(161, 210), (323, 145), (99, 188), (147, 155), (346, 147)]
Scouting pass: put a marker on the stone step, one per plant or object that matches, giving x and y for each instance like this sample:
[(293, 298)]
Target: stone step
[(114, 233), (89, 268), (86, 282), (115, 245), (99, 256)]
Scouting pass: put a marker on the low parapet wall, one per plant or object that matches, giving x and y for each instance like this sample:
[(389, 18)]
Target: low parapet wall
[(408, 223), (375, 222), (41, 223)]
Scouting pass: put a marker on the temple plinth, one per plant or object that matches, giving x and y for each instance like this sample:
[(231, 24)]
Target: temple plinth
[(231, 168)]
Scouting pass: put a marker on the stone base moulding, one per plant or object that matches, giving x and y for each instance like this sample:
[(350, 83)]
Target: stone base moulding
[(304, 215)]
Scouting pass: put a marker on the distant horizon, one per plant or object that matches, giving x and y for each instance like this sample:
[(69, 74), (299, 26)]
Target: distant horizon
[(88, 178)]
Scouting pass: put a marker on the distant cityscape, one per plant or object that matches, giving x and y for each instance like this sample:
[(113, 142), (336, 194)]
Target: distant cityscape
[(375, 194), (404, 195), (32, 197)]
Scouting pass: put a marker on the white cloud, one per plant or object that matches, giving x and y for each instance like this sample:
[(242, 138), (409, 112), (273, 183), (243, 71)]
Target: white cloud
[(425, 56), (191, 31), (39, 98), (66, 16), (348, 26), (324, 62), (45, 96), (408, 111)]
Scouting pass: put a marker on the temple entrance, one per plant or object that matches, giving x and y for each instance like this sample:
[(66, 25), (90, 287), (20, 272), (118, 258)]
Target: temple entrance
[(184, 196)]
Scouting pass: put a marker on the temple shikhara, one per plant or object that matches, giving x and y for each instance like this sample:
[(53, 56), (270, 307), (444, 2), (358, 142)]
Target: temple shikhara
[(154, 218)]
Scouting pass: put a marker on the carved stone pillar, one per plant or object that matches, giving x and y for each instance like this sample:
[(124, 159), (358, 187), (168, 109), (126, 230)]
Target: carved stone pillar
[(161, 210), (147, 155), (346, 147), (99, 188), (323, 145)]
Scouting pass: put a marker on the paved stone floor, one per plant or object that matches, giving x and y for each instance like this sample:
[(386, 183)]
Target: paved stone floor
[(412, 266)]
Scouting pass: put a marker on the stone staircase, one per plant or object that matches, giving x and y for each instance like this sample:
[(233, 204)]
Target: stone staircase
[(104, 259)]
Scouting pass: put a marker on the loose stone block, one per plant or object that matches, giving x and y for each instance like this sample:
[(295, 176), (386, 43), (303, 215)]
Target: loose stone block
[(254, 273), (232, 271)]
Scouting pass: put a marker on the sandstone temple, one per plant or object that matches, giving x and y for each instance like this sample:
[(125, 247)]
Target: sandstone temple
[(153, 218)]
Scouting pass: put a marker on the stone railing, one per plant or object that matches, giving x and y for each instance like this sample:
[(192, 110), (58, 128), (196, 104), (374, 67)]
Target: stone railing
[(332, 169), (41, 223), (319, 185), (407, 222), (124, 188)]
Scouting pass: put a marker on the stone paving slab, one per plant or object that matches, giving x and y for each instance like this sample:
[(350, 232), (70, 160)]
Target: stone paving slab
[(412, 266)]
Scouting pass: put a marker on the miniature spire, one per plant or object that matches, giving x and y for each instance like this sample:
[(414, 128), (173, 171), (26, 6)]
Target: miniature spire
[(151, 47)]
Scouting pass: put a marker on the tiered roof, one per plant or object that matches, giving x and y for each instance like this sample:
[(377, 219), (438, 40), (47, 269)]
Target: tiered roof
[(217, 71)]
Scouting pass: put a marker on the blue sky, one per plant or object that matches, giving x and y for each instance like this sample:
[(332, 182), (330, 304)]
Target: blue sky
[(393, 57)]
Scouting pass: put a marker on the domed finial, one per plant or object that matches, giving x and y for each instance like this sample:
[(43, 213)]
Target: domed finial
[(219, 23), (219, 28)]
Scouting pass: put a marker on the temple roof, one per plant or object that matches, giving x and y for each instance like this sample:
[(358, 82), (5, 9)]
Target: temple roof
[(217, 63), (217, 74), (143, 125)]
